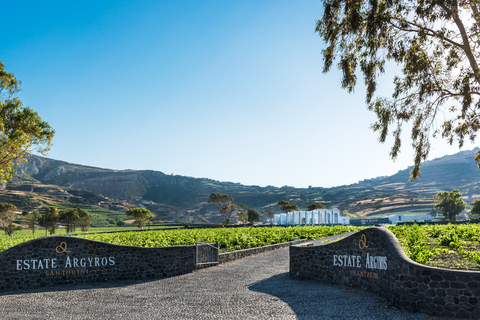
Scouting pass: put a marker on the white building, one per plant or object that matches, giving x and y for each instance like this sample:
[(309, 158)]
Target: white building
[(313, 218), (402, 218)]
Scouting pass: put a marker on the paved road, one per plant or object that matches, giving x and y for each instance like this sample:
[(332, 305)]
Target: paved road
[(256, 287)]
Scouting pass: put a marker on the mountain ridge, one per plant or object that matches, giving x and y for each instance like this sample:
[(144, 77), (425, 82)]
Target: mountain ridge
[(187, 197)]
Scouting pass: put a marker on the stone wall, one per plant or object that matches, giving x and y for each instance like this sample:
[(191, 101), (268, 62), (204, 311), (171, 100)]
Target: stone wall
[(373, 260), (59, 260)]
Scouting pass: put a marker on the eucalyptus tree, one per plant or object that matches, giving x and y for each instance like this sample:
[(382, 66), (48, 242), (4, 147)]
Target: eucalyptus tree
[(315, 205), (271, 215), (242, 214), (437, 46), (50, 219), (225, 204), (21, 129), (32, 219), (7, 216), (69, 217), (253, 215), (475, 207), (286, 206), (450, 203), (84, 220), (140, 216)]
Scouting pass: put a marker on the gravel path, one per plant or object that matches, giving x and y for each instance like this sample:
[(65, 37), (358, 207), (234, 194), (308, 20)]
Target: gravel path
[(256, 287)]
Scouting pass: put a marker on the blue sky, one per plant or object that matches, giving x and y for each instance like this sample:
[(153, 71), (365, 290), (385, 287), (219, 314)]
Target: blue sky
[(227, 90)]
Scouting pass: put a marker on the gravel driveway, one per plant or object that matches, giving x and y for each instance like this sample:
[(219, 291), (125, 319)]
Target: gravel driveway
[(256, 287)]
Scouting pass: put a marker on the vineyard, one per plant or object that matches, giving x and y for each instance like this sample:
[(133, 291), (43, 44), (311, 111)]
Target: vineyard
[(446, 246), (229, 239)]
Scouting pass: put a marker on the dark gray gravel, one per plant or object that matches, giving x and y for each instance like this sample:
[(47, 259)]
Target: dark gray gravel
[(256, 287)]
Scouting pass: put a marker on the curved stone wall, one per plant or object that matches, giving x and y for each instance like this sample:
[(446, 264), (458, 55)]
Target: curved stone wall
[(373, 260), (58, 260)]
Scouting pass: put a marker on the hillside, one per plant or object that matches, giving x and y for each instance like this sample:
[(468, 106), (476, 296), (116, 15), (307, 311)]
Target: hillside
[(174, 197)]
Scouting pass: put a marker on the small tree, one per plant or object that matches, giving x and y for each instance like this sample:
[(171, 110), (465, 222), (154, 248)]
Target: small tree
[(50, 220), (32, 219), (84, 220), (475, 207), (225, 204), (69, 217), (348, 214), (10, 229), (451, 203), (7, 216), (253, 215), (316, 205), (285, 206), (242, 215), (271, 215), (140, 215)]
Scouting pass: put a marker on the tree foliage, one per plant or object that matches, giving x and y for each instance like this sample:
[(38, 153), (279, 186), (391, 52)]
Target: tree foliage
[(84, 220), (50, 219), (475, 207), (242, 214), (7, 216), (69, 217), (140, 215), (32, 219), (348, 214), (271, 215), (316, 205), (451, 203), (253, 215), (21, 128), (225, 204), (437, 45), (285, 206)]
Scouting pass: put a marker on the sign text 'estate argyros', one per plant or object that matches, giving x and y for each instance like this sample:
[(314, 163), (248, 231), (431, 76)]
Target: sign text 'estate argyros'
[(67, 263), (355, 261)]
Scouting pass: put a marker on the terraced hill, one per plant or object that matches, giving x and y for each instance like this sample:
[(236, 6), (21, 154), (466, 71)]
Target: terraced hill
[(174, 197)]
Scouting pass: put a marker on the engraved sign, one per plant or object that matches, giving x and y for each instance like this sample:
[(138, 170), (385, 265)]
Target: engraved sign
[(65, 265), (361, 261)]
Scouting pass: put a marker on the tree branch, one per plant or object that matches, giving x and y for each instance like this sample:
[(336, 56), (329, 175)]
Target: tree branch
[(476, 12), (466, 43), (427, 31)]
